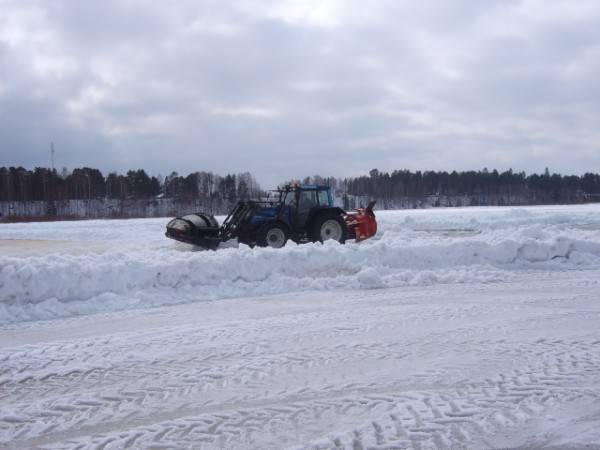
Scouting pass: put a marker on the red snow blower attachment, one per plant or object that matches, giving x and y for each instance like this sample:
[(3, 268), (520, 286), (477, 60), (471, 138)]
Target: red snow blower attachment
[(361, 223)]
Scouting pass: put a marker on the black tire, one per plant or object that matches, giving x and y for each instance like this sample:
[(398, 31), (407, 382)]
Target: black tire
[(329, 226), (272, 234)]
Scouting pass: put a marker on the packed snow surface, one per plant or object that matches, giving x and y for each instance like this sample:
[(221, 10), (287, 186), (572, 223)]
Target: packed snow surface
[(452, 328)]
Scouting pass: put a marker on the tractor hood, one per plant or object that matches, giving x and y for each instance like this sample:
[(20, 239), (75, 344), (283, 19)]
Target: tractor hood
[(264, 214)]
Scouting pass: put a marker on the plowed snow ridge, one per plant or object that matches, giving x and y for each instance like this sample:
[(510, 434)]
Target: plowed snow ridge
[(141, 268)]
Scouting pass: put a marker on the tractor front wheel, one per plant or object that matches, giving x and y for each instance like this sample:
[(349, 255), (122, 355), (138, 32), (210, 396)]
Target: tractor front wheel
[(330, 226), (272, 235)]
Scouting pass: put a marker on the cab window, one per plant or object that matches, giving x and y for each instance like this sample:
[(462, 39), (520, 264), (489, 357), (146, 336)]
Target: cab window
[(323, 198), (308, 199), (290, 198)]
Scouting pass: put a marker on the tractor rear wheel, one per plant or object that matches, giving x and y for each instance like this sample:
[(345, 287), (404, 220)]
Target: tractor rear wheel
[(273, 235), (329, 226)]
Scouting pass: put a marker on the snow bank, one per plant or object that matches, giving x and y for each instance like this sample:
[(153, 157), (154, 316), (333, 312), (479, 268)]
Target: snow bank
[(412, 248)]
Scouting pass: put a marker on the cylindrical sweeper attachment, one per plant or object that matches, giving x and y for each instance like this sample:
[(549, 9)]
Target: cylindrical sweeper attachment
[(196, 229)]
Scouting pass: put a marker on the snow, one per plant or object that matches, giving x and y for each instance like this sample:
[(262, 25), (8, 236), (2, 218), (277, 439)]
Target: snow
[(124, 264), (452, 328)]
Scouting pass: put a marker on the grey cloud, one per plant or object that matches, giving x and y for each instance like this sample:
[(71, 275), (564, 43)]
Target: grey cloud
[(285, 92)]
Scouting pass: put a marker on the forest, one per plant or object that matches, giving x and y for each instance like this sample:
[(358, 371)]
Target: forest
[(484, 187), (19, 184)]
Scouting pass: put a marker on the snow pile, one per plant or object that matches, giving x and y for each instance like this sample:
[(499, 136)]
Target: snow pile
[(412, 248)]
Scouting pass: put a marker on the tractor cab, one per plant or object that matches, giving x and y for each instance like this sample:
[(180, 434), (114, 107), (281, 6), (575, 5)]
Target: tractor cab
[(307, 196), (299, 203)]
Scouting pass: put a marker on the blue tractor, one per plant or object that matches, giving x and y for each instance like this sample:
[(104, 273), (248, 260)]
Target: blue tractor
[(300, 213)]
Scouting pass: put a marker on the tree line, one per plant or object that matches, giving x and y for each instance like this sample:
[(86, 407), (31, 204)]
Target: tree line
[(20, 184), (482, 187)]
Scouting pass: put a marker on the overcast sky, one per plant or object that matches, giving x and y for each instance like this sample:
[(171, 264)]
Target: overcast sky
[(291, 88)]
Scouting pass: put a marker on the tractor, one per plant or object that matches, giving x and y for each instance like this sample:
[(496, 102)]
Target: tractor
[(300, 213)]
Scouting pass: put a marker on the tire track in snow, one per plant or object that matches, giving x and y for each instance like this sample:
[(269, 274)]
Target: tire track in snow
[(369, 371), (414, 419)]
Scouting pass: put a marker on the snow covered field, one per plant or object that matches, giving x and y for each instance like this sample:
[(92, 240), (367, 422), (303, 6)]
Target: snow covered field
[(453, 328)]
